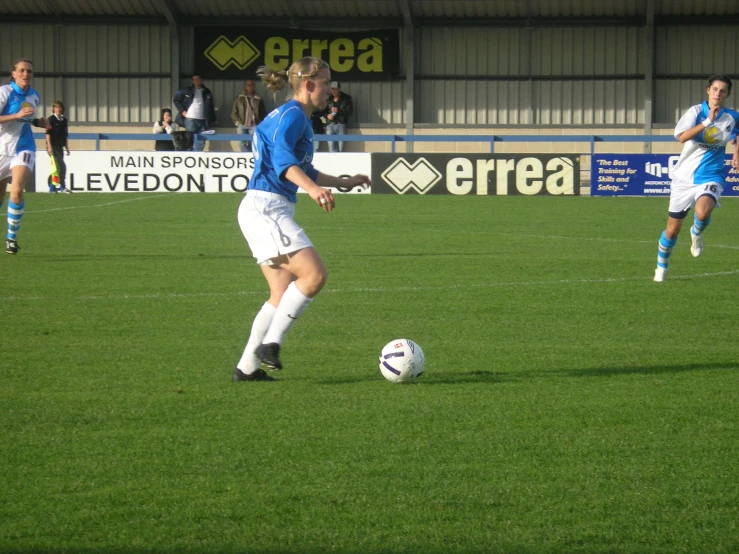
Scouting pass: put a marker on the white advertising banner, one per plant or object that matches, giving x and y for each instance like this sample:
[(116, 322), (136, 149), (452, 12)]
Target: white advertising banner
[(180, 171)]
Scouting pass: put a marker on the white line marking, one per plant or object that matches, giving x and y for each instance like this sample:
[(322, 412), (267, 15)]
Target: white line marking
[(95, 205), (556, 237), (370, 289), (602, 239)]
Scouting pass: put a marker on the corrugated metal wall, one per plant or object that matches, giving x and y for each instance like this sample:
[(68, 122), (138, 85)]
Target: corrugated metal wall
[(694, 50), (374, 103), (465, 75), (501, 76), (103, 73)]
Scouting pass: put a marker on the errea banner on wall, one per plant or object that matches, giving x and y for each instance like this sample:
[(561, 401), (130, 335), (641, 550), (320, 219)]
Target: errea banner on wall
[(180, 171), (237, 52), (476, 174)]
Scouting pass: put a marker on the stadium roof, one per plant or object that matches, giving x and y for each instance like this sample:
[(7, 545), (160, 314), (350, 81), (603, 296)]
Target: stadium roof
[(343, 13)]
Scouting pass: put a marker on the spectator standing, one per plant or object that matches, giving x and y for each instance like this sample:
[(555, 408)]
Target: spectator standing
[(248, 111), (196, 107), (338, 110), (165, 125), (57, 134), (318, 122)]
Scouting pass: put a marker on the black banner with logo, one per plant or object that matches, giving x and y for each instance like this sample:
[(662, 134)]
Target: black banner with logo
[(476, 174), (236, 53)]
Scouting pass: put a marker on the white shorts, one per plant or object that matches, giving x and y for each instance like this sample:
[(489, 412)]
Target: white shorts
[(683, 196), (7, 163), (266, 219)]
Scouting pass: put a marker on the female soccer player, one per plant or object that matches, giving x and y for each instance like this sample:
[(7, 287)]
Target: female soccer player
[(698, 176), (18, 103), (283, 152)]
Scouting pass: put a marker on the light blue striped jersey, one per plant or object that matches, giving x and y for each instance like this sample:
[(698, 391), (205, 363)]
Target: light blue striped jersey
[(702, 159), (283, 139), (16, 136)]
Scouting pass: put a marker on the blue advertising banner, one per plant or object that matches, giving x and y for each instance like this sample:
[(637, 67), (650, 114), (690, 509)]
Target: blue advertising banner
[(642, 175)]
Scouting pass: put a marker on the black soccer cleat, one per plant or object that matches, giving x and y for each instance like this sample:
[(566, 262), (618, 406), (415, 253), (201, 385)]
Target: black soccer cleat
[(258, 375), (11, 246), (269, 355)]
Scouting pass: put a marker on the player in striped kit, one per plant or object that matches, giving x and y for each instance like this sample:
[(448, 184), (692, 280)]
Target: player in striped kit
[(18, 105), (698, 176)]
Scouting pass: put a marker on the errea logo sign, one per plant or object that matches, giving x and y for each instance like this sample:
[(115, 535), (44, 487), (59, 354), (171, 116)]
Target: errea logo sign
[(476, 174), (226, 52), (240, 52), (403, 176)]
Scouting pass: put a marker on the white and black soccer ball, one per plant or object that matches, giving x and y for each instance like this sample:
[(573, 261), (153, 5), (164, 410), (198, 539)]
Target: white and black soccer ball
[(402, 361)]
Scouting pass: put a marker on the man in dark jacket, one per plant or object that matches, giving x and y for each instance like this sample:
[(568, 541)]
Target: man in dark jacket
[(196, 108), (338, 110), (318, 122), (56, 143)]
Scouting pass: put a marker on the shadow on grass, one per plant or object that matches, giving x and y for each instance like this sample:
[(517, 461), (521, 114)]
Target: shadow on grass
[(645, 370), (484, 376), (490, 376), (75, 258), (345, 380), (456, 378), (235, 549)]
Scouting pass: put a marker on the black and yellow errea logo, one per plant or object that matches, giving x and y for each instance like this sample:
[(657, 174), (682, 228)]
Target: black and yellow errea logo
[(223, 52)]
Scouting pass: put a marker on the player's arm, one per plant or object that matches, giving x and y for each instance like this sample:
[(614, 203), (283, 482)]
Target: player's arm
[(694, 130), (289, 132), (331, 181), (22, 113), (320, 195)]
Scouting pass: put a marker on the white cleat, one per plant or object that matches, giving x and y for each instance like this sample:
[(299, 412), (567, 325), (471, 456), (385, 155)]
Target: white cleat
[(660, 274), (696, 245)]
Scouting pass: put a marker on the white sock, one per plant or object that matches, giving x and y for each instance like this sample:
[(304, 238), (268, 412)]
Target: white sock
[(248, 363), (291, 306)]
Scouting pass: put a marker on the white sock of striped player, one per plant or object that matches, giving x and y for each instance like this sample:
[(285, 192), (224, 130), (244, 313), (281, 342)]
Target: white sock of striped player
[(15, 213), (291, 306), (248, 363), (665, 249), (698, 225)]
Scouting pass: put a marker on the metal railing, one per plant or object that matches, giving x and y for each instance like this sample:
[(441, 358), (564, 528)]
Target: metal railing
[(492, 140)]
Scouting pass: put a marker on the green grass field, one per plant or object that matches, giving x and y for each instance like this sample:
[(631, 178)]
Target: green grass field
[(569, 403)]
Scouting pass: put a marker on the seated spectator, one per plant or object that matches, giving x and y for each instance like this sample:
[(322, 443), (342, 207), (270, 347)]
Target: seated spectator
[(165, 125)]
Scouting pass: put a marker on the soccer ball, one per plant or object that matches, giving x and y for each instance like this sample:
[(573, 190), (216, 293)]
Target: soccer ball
[(402, 361)]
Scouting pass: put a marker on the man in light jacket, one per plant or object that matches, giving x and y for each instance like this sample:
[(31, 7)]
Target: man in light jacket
[(248, 112)]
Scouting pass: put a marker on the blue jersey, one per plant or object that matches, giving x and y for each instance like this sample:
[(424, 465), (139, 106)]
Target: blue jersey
[(283, 139), (16, 136), (702, 158)]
